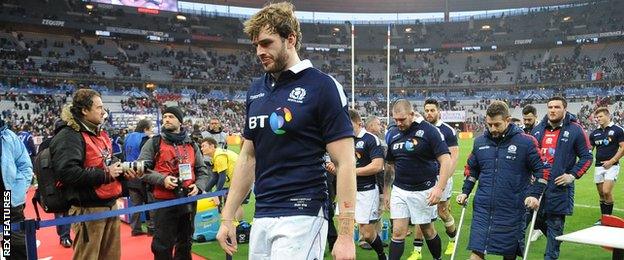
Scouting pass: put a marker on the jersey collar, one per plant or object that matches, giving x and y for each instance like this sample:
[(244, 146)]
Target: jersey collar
[(439, 123), (611, 124), (361, 133), (301, 66)]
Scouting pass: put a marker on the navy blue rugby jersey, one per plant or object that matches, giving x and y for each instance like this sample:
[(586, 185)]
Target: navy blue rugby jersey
[(290, 120), (450, 136), (367, 148), (607, 141), (414, 153)]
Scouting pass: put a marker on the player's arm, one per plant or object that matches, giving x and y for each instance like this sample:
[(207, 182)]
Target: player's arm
[(341, 152), (620, 152), (445, 173), (242, 179), (241, 182), (454, 150), (388, 177), (372, 168), (539, 169), (471, 172)]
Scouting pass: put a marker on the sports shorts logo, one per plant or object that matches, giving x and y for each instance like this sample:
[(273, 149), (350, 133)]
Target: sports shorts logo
[(281, 116)]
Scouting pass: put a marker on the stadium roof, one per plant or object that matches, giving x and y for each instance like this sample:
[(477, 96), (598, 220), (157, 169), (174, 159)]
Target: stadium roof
[(397, 6)]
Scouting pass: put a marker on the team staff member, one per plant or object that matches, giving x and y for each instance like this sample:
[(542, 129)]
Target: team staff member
[(504, 186), (82, 152), (223, 162), (608, 140), (561, 140), (369, 156), (178, 164), (295, 113), (432, 115), (418, 153)]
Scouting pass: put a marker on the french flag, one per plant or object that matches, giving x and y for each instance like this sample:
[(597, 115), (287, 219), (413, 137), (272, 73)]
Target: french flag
[(597, 75)]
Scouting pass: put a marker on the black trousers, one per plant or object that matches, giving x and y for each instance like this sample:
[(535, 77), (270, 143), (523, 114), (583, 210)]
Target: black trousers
[(174, 229), (18, 241)]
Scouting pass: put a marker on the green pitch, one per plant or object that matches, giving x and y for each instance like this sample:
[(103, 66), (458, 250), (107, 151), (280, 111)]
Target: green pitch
[(586, 212)]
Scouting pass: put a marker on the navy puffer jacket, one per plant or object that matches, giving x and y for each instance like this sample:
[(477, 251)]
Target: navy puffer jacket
[(503, 167)]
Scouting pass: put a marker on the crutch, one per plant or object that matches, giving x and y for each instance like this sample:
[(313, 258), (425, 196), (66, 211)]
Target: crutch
[(531, 229), (461, 221)]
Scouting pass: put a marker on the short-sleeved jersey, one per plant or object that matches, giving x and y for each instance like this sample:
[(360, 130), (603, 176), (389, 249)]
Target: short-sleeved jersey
[(607, 141), (290, 121), (367, 148), (450, 135), (224, 161), (414, 153)]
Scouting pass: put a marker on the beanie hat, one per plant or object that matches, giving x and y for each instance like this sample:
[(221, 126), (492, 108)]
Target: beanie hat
[(176, 111)]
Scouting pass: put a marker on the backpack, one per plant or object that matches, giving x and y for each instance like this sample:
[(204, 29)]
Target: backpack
[(50, 194)]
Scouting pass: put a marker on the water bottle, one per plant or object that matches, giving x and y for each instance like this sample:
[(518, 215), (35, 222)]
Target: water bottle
[(384, 230), (356, 233)]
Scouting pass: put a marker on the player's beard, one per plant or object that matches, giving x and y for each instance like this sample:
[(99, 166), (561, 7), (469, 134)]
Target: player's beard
[(279, 61)]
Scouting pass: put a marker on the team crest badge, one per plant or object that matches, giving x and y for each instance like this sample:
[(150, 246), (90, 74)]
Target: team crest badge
[(297, 95)]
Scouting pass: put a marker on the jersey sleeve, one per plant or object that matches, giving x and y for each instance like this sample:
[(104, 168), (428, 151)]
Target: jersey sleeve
[(374, 147), (333, 115), (450, 137), (619, 135), (592, 139), (436, 141), (220, 163), (247, 133)]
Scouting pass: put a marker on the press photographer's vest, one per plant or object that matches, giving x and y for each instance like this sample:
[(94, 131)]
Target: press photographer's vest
[(98, 149), (167, 161)]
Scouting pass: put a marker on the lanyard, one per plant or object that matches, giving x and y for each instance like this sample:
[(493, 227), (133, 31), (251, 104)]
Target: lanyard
[(180, 158)]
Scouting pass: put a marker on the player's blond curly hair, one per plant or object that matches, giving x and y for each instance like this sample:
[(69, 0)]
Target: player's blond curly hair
[(277, 18)]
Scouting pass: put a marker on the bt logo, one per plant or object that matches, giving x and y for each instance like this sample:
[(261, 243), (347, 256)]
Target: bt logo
[(277, 119), (604, 142), (409, 145)]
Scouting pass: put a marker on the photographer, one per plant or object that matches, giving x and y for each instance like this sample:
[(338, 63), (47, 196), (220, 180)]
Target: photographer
[(82, 153), (179, 171)]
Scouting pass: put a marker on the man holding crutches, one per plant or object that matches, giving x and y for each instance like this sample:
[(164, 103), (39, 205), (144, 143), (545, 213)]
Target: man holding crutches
[(503, 160)]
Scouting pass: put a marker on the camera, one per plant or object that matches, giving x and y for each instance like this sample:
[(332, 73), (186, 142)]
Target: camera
[(140, 167), (180, 192)]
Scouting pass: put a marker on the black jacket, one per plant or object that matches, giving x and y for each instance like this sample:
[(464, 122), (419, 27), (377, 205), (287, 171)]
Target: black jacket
[(67, 150)]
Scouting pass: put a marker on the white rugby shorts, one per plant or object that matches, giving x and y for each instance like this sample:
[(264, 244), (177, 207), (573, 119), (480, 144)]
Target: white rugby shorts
[(413, 205), (601, 174), (288, 238)]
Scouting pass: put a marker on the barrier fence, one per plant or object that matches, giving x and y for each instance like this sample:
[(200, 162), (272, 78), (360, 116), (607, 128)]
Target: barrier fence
[(30, 226)]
